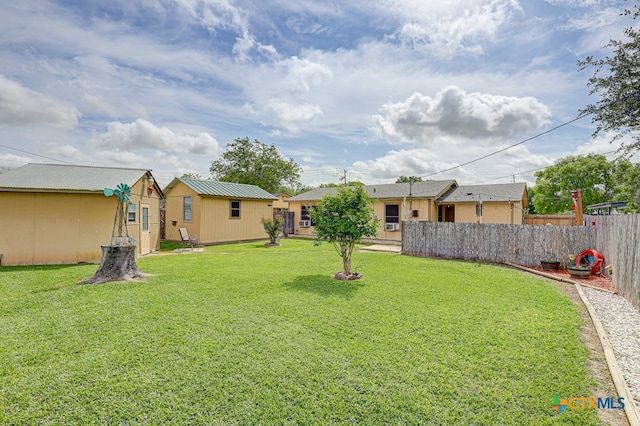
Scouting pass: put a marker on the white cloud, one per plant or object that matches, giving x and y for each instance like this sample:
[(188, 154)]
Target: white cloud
[(11, 161), (303, 75), (455, 113), (141, 135), (121, 158), (68, 152), (459, 28), (20, 106)]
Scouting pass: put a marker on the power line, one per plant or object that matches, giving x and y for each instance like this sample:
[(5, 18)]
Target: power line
[(534, 170), (37, 155), (509, 147)]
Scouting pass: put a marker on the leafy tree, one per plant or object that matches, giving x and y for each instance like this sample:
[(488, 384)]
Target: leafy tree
[(626, 183), (197, 176), (344, 219), (256, 163), (403, 179), (273, 226), (592, 174), (616, 79)]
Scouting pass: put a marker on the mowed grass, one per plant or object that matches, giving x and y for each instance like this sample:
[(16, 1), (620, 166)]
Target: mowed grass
[(243, 334)]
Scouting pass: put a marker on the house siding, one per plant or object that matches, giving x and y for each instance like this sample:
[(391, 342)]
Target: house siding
[(174, 212), (427, 211)]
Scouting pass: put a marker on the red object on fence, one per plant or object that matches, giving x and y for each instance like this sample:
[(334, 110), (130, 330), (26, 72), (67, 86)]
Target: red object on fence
[(591, 258)]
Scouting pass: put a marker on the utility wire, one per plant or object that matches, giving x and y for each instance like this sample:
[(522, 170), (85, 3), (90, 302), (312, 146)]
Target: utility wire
[(534, 170), (37, 155), (510, 146)]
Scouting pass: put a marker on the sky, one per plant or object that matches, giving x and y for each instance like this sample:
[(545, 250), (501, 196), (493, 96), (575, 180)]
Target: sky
[(373, 89)]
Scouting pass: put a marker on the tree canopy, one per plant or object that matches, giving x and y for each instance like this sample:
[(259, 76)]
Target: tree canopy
[(403, 179), (616, 80), (598, 179), (344, 219), (256, 163)]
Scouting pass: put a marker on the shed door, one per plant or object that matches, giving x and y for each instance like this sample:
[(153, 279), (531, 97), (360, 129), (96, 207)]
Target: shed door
[(145, 231)]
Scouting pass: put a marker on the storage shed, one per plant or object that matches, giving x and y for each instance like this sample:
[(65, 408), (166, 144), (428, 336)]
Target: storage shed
[(54, 214), (216, 212)]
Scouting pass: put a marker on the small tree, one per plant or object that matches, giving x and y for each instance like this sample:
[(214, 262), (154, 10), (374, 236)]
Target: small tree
[(273, 227), (344, 219)]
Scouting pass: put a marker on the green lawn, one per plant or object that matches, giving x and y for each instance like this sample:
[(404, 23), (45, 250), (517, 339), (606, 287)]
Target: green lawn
[(243, 334)]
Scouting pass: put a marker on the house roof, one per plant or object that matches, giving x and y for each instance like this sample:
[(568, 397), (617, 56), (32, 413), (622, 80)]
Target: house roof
[(223, 189), (67, 178), (426, 189), (496, 192)]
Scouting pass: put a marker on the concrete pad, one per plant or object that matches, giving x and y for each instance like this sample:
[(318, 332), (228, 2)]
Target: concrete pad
[(382, 247)]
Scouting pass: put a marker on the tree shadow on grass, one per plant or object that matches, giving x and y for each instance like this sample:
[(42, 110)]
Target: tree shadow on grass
[(324, 285)]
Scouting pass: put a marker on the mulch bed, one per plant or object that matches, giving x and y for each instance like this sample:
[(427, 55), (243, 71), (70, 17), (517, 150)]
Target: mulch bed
[(597, 281)]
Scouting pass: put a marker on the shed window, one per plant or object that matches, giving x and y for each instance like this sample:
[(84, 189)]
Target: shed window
[(131, 212), (186, 208), (392, 213), (235, 209)]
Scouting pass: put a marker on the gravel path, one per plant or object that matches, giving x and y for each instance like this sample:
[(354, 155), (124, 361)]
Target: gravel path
[(622, 324)]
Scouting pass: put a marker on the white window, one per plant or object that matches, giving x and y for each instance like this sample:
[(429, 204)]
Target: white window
[(131, 212), (186, 208)]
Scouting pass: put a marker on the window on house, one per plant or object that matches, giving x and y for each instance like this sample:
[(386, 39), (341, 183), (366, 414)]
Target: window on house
[(131, 212), (235, 209), (304, 214), (392, 213), (186, 209)]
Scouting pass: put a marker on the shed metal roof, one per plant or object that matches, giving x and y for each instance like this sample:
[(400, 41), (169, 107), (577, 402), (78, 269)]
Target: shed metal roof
[(223, 189), (426, 189), (67, 178), (496, 192)]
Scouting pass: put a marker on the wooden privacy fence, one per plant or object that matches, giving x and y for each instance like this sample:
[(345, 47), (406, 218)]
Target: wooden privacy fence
[(545, 219), (521, 244), (616, 238)]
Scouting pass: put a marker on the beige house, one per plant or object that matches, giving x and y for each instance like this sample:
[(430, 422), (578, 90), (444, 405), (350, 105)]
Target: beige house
[(393, 204), (282, 202), (216, 212), (498, 203), (52, 214)]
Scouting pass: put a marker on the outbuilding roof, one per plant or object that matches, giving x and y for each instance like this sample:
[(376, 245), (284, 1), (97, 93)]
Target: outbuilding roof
[(426, 189), (223, 189), (67, 178), (497, 192)]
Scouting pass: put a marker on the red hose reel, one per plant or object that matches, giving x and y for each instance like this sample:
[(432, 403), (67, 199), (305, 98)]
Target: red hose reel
[(591, 259)]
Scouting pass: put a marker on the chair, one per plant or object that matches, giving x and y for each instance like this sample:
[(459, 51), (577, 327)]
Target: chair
[(190, 239)]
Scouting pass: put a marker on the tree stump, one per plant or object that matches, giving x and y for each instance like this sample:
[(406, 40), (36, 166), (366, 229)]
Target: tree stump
[(118, 264)]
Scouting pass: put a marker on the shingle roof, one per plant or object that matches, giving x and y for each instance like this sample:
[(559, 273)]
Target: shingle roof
[(223, 189), (65, 178), (475, 193), (426, 189)]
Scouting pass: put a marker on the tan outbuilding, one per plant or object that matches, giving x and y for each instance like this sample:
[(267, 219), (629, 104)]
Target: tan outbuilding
[(55, 214), (216, 212)]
